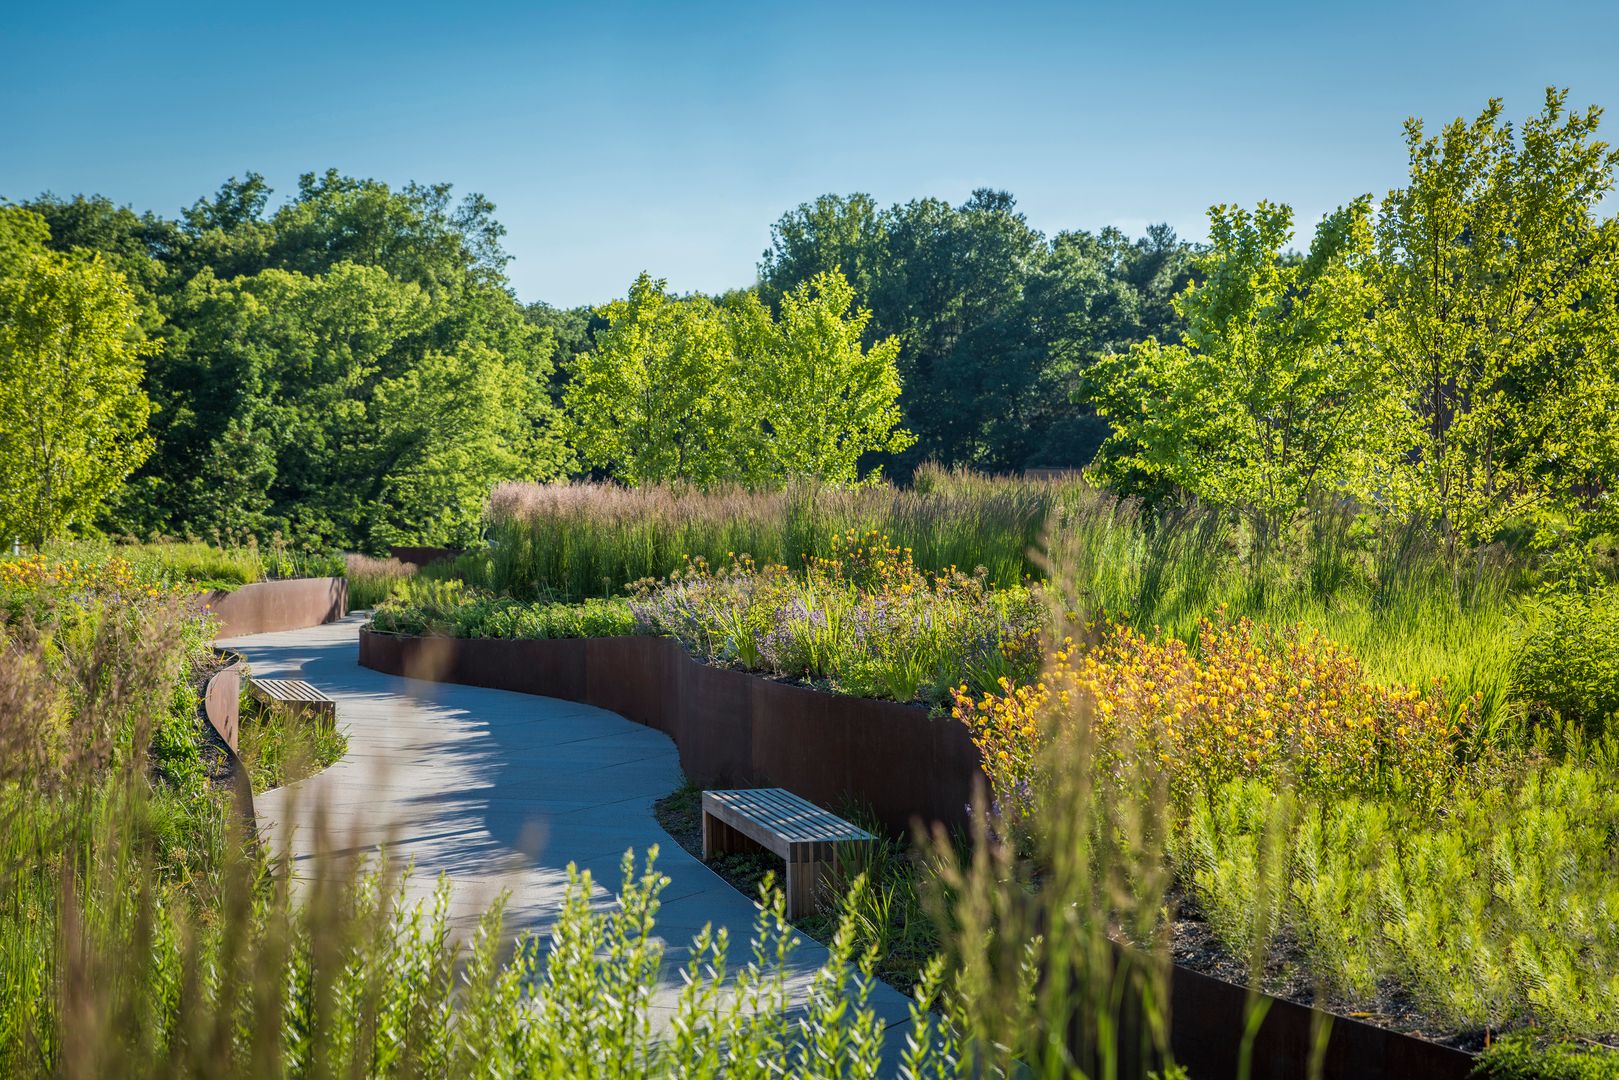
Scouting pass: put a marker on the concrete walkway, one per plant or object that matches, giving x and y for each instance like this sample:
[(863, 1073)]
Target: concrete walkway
[(502, 791)]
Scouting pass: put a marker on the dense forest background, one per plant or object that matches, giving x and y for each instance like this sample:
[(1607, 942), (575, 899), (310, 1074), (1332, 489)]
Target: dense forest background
[(351, 367)]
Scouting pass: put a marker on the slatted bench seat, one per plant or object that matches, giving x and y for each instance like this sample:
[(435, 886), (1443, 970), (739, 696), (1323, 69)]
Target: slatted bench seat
[(777, 820), (297, 697)]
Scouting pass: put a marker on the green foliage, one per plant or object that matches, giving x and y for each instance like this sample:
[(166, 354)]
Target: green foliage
[(993, 320), (658, 398), (72, 412), (1449, 357), (278, 748), (1492, 915), (1500, 305), (447, 608), (349, 370), (1569, 667), (1523, 1057), (364, 429), (690, 390), (824, 402), (864, 621), (1274, 398)]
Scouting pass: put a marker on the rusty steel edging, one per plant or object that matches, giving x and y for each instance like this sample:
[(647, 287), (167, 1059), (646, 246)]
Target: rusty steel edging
[(266, 607), (222, 705)]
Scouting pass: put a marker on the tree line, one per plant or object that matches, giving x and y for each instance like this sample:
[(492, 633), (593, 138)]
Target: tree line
[(351, 368)]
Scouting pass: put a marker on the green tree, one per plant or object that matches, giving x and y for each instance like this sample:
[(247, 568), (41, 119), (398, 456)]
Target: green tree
[(994, 321), (693, 390), (72, 414), (825, 402), (1499, 282), (330, 391), (225, 394), (1275, 394), (658, 398), (835, 232)]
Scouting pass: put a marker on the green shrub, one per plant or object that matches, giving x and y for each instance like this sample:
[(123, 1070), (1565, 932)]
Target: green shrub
[(1521, 1057), (1570, 662), (423, 605)]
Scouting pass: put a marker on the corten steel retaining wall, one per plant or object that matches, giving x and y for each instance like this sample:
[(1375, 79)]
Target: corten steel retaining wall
[(222, 705), (1208, 1015), (268, 606), (732, 729)]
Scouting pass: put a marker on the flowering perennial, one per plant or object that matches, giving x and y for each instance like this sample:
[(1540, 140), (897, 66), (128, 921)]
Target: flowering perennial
[(1248, 702), (864, 619)]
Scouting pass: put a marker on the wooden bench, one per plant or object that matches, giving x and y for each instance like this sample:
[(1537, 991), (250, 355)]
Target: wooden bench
[(777, 820), (297, 697)]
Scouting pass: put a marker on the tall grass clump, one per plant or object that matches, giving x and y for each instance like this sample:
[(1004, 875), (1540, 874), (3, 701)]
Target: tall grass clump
[(372, 580), (577, 540)]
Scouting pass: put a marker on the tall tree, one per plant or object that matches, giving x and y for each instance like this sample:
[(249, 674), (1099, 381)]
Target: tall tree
[(994, 321), (1499, 318), (72, 415), (363, 430), (1275, 395), (825, 402), (835, 232), (657, 398), (687, 389), (222, 386)]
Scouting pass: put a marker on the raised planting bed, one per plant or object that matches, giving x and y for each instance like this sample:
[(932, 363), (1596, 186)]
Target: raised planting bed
[(732, 729), (1208, 1016), (265, 607), (222, 707)]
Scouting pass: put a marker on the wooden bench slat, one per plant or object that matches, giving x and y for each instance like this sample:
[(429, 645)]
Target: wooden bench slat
[(797, 819), (289, 689), (786, 810)]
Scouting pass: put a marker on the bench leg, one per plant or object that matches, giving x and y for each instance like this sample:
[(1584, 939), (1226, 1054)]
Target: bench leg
[(720, 839), (805, 872)]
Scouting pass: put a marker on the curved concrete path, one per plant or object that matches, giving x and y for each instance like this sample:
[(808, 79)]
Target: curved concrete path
[(501, 791)]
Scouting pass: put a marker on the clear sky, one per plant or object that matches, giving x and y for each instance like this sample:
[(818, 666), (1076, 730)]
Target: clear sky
[(617, 137)]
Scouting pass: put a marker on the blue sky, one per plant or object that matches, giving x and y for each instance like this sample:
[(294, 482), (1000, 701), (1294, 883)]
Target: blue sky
[(618, 137)]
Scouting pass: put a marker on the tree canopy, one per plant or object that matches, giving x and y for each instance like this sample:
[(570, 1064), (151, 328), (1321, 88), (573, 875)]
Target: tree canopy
[(349, 369), (701, 391), (994, 321), (72, 414), (1450, 354)]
